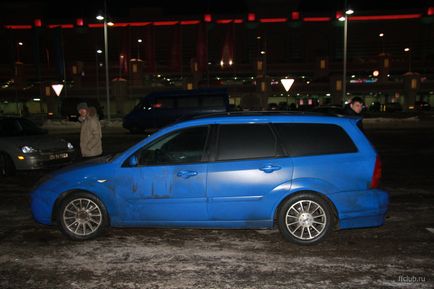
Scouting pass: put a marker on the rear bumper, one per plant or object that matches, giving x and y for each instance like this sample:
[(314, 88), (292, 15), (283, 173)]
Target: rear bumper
[(359, 209)]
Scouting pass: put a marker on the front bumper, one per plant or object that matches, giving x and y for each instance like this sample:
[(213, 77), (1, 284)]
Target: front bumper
[(360, 209), (44, 160), (43, 198)]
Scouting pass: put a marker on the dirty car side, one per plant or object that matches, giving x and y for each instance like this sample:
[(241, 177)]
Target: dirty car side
[(238, 172)]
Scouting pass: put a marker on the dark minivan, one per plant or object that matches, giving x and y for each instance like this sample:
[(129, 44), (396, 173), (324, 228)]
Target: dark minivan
[(159, 109)]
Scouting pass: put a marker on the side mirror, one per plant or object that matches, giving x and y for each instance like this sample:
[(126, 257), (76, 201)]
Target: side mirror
[(133, 161)]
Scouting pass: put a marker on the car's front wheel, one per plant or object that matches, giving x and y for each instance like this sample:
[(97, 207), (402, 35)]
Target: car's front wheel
[(305, 219), (82, 216)]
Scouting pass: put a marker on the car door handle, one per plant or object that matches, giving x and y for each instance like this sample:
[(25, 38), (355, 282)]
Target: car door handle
[(186, 174), (270, 168)]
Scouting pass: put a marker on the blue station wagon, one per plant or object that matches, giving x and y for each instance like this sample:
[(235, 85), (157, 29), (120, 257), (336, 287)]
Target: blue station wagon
[(306, 174)]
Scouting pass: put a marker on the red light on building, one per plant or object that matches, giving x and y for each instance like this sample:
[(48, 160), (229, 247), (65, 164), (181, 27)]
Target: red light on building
[(165, 23), (79, 22), (295, 15), (339, 14), (384, 17), (189, 22), (207, 18), (38, 23), (430, 11), (316, 19), (272, 20), (251, 17)]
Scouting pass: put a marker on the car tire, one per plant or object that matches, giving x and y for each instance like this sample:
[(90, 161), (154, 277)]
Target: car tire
[(7, 167), (305, 219), (82, 216)]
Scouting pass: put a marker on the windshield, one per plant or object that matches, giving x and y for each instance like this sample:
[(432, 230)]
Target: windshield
[(19, 127)]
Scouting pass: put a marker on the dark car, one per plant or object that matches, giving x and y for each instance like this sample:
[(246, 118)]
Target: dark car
[(393, 107), (305, 174), (330, 110), (422, 106), (159, 109), (26, 146)]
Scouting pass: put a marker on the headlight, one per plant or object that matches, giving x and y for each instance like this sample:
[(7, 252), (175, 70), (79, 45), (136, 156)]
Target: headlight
[(70, 146), (27, 149)]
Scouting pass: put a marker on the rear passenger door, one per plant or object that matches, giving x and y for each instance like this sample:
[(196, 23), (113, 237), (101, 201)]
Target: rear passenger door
[(248, 165)]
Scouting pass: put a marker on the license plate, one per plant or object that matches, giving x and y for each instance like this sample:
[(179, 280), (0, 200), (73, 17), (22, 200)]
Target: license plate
[(58, 156)]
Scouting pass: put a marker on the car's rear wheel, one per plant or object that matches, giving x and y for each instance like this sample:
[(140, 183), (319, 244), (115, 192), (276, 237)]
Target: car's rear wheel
[(7, 167), (82, 216), (305, 219)]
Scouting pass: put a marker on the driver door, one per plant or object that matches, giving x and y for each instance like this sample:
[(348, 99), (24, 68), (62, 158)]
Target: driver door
[(168, 180)]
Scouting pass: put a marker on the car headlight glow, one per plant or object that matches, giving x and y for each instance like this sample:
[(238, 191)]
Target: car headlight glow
[(27, 149), (70, 146)]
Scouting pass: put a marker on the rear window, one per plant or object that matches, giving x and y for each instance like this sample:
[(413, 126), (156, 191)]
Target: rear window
[(305, 139)]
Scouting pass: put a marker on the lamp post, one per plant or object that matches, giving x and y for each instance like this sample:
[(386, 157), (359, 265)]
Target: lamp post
[(381, 35), (98, 51), (408, 50), (344, 73), (100, 17), (18, 50), (139, 41)]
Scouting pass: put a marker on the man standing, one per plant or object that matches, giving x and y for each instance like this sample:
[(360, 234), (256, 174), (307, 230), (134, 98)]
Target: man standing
[(90, 134), (354, 107)]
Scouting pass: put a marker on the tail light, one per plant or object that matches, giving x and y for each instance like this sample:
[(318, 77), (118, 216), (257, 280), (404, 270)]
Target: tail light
[(376, 176)]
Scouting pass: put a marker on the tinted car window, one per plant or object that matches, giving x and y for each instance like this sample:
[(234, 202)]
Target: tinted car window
[(30, 128), (183, 146), (10, 127), (19, 127), (188, 101), (247, 141), (301, 139), (165, 102), (213, 101)]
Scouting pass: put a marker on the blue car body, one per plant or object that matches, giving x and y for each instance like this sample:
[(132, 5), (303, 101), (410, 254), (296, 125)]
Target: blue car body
[(223, 194)]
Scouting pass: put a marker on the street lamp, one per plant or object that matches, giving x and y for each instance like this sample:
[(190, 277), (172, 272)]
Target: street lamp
[(104, 18), (98, 51), (138, 48), (18, 50), (344, 19), (408, 50), (381, 35)]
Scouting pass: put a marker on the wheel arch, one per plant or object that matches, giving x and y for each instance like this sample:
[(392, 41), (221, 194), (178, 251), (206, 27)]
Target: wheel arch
[(294, 194), (65, 194)]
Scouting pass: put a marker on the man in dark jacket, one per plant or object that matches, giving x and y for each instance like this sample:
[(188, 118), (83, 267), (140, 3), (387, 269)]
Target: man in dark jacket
[(354, 107)]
